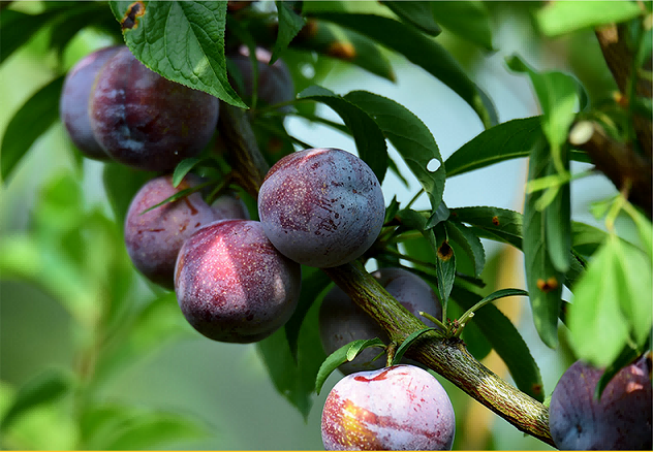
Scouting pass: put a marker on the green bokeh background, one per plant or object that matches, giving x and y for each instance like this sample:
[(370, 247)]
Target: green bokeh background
[(225, 388)]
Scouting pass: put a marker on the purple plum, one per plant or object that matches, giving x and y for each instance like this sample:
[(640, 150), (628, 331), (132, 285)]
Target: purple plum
[(321, 207)]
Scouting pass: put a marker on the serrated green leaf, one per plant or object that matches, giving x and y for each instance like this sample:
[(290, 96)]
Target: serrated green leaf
[(469, 20), (422, 51), (410, 137), (341, 356), (558, 18), (290, 23), (183, 41), (506, 341), (417, 14), (43, 388), (32, 120), (410, 340), (470, 244), (557, 217), (369, 139), (314, 281), (543, 280), (294, 377)]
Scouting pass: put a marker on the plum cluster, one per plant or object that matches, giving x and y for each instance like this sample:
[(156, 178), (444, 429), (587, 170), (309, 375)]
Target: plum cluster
[(238, 280)]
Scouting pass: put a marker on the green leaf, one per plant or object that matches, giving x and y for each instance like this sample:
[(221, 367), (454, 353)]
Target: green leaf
[(410, 136), (314, 281), (585, 238), (183, 41), (508, 140), (469, 243), (32, 120), (117, 427), (496, 223), (294, 376), (557, 218), (558, 94), (43, 388), (182, 169), (644, 230), (334, 41), (505, 141), (445, 263), (345, 353), (422, 51), (121, 184), (18, 28), (410, 340), (599, 327), (557, 18), (417, 14), (543, 280), (369, 139), (73, 19), (506, 341), (290, 23), (468, 20)]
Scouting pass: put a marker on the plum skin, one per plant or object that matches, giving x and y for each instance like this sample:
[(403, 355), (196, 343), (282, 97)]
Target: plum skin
[(321, 207), (153, 239), (342, 321), (275, 83), (400, 407), (146, 121), (620, 420), (74, 102), (232, 285)]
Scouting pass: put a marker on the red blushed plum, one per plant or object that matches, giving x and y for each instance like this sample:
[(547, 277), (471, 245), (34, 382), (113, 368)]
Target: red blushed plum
[(620, 420), (153, 239), (146, 121), (321, 207), (396, 408), (275, 84), (342, 321), (232, 285), (75, 95)]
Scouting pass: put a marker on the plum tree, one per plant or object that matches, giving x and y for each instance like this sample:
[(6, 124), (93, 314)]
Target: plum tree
[(146, 121), (619, 420), (232, 285), (400, 407), (342, 321), (321, 207), (275, 83), (154, 238), (75, 96)]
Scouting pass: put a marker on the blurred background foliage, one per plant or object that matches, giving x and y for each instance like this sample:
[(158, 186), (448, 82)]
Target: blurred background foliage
[(93, 357)]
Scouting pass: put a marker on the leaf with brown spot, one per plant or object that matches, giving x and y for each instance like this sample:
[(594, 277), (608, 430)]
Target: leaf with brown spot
[(130, 19)]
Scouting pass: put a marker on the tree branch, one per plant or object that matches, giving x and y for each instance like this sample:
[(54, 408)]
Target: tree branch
[(448, 358)]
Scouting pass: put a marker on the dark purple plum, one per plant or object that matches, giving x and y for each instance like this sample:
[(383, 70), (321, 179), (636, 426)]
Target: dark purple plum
[(396, 408), (342, 321), (275, 83), (232, 285), (146, 121), (321, 207), (75, 95), (620, 420), (153, 239)]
